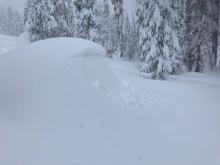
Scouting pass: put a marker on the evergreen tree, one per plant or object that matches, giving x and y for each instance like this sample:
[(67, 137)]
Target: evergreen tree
[(38, 20), (11, 23), (218, 40), (64, 17), (198, 34), (2, 20), (98, 32), (178, 22), (141, 6), (18, 24), (130, 39), (112, 45), (141, 16), (215, 10), (78, 5), (85, 24), (159, 40), (118, 23), (49, 18), (106, 17)]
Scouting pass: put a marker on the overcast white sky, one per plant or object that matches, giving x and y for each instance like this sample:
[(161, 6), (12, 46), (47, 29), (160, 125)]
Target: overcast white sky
[(19, 4)]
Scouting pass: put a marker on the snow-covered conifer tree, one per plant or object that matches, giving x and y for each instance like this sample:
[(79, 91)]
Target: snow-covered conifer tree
[(118, 23), (198, 34), (63, 13), (98, 29), (2, 20), (11, 22), (178, 21), (130, 39), (49, 18), (159, 41), (85, 24), (40, 24), (106, 23), (218, 44), (214, 12)]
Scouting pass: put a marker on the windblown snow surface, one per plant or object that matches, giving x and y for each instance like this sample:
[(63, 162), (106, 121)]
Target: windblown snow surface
[(63, 103), (8, 43)]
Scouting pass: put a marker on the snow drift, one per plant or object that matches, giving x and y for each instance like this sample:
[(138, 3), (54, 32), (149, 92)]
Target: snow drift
[(62, 102)]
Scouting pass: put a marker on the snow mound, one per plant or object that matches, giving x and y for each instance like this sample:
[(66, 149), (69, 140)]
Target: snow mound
[(49, 112), (59, 104), (51, 66)]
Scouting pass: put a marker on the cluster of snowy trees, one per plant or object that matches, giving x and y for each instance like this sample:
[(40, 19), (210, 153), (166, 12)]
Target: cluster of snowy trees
[(11, 22), (61, 18), (178, 33), (167, 36), (103, 21), (202, 20), (160, 36)]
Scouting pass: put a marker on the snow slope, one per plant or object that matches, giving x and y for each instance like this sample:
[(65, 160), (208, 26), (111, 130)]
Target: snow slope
[(63, 102), (8, 43)]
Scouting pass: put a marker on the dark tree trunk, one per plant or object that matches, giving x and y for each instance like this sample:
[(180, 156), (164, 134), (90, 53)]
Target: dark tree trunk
[(199, 62)]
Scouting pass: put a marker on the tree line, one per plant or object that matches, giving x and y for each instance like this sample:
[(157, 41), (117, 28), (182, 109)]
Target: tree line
[(11, 22), (167, 36)]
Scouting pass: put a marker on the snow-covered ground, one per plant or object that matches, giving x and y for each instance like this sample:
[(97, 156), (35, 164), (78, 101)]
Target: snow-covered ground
[(63, 103), (8, 43)]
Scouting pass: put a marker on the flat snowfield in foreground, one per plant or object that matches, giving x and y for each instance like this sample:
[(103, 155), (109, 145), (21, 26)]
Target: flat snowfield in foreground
[(63, 103)]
